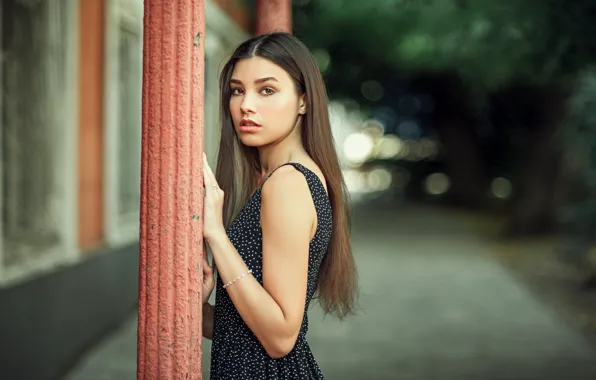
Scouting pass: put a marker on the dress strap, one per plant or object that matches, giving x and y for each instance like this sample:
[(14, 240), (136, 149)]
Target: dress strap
[(296, 166), (314, 183), (280, 166)]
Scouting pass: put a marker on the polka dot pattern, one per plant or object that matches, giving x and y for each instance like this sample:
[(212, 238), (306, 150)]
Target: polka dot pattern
[(236, 352)]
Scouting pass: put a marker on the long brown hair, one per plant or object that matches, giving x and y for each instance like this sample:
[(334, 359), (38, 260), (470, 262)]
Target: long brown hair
[(238, 165)]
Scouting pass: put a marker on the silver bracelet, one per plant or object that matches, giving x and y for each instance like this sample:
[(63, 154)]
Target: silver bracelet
[(237, 278)]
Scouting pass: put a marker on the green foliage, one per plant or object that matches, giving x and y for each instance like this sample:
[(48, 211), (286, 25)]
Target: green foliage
[(487, 42), (578, 137), (579, 134)]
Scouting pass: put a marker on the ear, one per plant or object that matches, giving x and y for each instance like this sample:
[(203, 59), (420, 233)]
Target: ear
[(302, 105)]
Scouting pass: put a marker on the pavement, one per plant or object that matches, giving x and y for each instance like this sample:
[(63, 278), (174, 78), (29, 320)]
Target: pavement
[(435, 305)]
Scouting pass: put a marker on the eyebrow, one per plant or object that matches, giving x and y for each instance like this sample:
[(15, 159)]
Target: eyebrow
[(261, 80)]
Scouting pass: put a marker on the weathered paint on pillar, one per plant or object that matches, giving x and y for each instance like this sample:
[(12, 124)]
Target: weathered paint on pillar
[(169, 329), (273, 16)]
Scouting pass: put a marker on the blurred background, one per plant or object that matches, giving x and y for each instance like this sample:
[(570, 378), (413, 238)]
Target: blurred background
[(467, 135)]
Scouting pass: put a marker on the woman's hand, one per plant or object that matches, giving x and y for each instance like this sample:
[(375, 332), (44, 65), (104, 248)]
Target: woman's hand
[(213, 204), (208, 278)]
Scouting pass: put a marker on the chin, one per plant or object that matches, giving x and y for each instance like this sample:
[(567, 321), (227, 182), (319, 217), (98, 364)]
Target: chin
[(251, 140)]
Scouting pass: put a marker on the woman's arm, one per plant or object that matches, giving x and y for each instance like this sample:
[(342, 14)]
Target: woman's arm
[(207, 321), (274, 311)]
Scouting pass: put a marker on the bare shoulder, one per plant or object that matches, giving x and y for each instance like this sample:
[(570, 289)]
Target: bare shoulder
[(286, 183), (287, 207)]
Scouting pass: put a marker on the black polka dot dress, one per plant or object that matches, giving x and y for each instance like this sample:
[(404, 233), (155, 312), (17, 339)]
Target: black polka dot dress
[(236, 352)]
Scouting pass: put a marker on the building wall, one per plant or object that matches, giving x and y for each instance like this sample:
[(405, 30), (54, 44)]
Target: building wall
[(39, 137), (122, 65), (239, 11), (222, 37), (46, 324), (60, 295)]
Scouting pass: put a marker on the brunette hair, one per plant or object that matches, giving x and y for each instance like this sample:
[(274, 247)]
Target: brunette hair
[(238, 165)]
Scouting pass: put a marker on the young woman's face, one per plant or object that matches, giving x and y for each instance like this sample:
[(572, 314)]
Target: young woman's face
[(264, 104)]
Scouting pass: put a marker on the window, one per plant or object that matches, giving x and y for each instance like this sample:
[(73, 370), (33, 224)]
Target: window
[(129, 123), (35, 120), (123, 102)]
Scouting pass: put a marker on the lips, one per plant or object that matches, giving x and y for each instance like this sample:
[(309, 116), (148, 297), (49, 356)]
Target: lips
[(248, 126), (248, 123)]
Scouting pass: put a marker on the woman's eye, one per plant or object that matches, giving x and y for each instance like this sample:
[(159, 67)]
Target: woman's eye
[(236, 91), (267, 91)]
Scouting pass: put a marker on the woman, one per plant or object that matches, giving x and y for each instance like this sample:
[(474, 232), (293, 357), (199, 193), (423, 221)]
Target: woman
[(281, 233)]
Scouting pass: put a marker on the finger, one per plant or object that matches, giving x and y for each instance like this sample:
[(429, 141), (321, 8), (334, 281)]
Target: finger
[(209, 172), (205, 254), (206, 174), (206, 164), (206, 177), (207, 269)]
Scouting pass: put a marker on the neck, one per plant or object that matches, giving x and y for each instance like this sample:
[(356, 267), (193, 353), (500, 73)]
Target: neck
[(279, 153), (286, 150)]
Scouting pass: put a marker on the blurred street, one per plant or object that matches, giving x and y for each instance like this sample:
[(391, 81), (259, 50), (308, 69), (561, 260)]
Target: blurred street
[(435, 305)]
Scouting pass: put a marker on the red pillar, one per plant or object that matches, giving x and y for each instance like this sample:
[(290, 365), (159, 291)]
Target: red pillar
[(169, 329), (273, 16)]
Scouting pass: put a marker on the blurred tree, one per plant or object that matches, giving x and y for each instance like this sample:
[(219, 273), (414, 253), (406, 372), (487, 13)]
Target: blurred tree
[(579, 212), (489, 43), (523, 55)]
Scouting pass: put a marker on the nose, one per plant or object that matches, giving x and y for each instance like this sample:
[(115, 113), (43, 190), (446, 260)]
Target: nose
[(248, 104)]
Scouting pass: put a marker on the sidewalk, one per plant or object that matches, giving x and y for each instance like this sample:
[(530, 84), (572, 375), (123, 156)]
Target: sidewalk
[(436, 306)]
